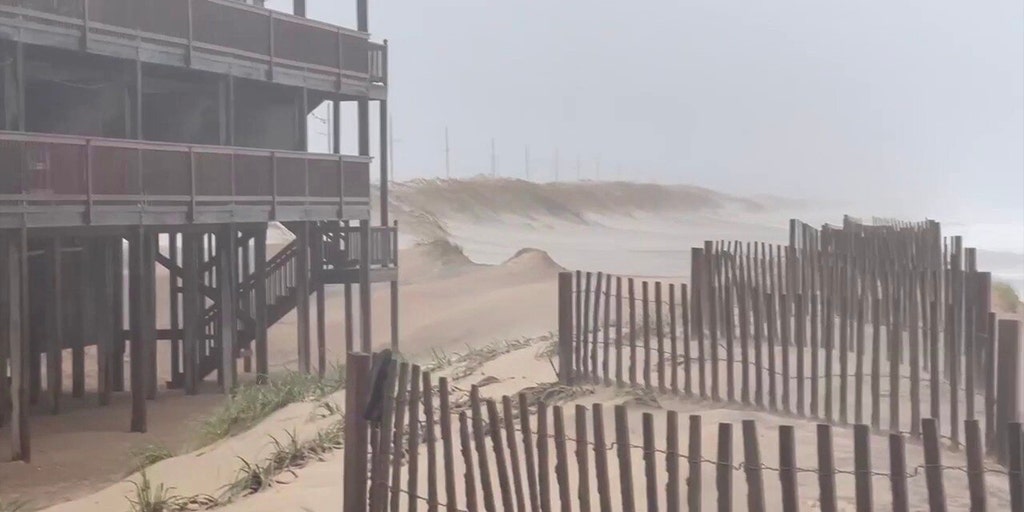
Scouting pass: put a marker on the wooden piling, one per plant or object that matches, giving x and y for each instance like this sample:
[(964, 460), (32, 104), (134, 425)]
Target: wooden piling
[(646, 315), (826, 469), (975, 465), (933, 466), (672, 457), (397, 451), (582, 461), (898, 473), (618, 332), (500, 460), (561, 460), (528, 452), (601, 459), (660, 332), (650, 462), (357, 381), (513, 452), (543, 459), (752, 467), (788, 469), (693, 455), (625, 462), (673, 338), (447, 445), (467, 466), (723, 468), (481, 450), (862, 467), (632, 333), (430, 439), (413, 478)]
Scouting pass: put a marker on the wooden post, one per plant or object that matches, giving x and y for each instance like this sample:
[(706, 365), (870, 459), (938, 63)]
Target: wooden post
[(618, 332), (687, 378), (192, 321), (1015, 466), (723, 469), (365, 305), (990, 382), (467, 459), (398, 434), (102, 282), (137, 316), (935, 375), (1009, 385), (693, 454), (513, 451), (582, 463), (660, 330), (16, 307), (787, 469), (862, 465), (714, 292), (565, 337), (596, 329), (561, 460), (584, 336), (149, 320), (413, 478), (815, 356), (743, 298), (650, 462), (430, 438), (447, 450), (975, 465), (302, 295), (632, 333), (672, 457), (898, 473), (382, 449), (784, 317), (646, 308), (528, 452), (933, 466), (53, 305), (625, 462), (481, 449), (801, 341), (580, 322), (601, 459), (606, 331), (752, 467), (357, 379), (227, 288), (259, 252), (826, 469), (174, 298), (730, 353), (858, 412), (500, 460), (321, 329), (894, 335), (673, 338), (543, 459), (772, 321), (86, 318)]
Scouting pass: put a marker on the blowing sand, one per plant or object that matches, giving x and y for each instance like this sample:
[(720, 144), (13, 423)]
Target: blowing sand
[(464, 283)]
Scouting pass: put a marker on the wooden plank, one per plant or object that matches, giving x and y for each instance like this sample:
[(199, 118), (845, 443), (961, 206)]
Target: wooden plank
[(625, 462), (714, 295), (646, 315), (561, 460), (397, 452), (970, 349), (430, 439), (581, 366), (773, 399), (566, 349), (801, 342), (596, 329), (788, 469), (862, 467), (894, 335), (743, 299), (447, 445), (500, 460), (1009, 384), (730, 352), (481, 450), (672, 456), (752, 467), (660, 331), (859, 350), (933, 466), (813, 299), (650, 462), (687, 378), (528, 452), (990, 382), (513, 452), (580, 322), (826, 469), (723, 468), (582, 462), (543, 459), (915, 357), (1015, 465), (898, 473), (673, 338), (467, 466), (935, 375), (618, 332), (694, 457), (975, 465), (601, 460), (697, 302), (606, 330), (412, 481), (757, 301), (786, 341), (357, 383), (632, 333), (844, 338)]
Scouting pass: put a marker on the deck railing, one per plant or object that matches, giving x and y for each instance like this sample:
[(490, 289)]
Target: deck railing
[(219, 27), (51, 170)]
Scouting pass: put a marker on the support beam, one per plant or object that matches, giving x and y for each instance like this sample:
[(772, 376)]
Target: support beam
[(174, 288), (19, 75), (245, 270), (16, 242), (364, 288), (192, 324), (136, 320), (149, 320), (86, 309), (105, 284), (5, 347), (321, 329), (383, 159), (227, 284), (117, 356), (260, 306), (394, 303), (302, 296), (53, 307)]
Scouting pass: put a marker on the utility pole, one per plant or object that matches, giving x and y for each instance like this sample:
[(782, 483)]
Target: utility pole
[(447, 156), (494, 161), (527, 162)]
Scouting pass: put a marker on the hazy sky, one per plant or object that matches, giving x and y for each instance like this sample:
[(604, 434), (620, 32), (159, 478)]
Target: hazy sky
[(904, 103)]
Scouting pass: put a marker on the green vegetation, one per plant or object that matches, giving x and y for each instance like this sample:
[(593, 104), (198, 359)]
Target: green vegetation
[(286, 457), (148, 455), (1006, 298), (251, 403), (157, 498), (13, 506)]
